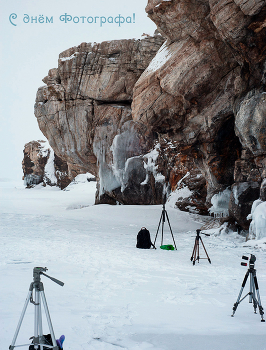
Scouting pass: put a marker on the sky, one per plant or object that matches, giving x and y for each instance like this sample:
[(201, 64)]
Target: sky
[(29, 49)]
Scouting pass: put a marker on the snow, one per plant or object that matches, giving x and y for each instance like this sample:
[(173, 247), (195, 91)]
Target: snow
[(115, 295), (150, 165), (160, 59), (69, 58), (49, 170), (162, 2), (178, 194)]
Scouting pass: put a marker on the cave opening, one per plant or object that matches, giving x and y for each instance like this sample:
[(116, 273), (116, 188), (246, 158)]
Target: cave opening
[(227, 149)]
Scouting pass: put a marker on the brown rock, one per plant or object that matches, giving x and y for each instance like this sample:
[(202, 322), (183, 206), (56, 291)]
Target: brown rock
[(161, 95), (241, 200), (250, 123), (34, 162), (177, 20), (66, 109), (229, 20), (250, 7), (106, 71), (34, 165), (198, 103)]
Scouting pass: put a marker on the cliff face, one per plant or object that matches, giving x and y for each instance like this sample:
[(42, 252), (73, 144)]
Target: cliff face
[(205, 90), (85, 112), (185, 110)]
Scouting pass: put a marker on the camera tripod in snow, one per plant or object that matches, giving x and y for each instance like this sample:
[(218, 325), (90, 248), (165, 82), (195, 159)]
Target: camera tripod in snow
[(162, 220), (37, 286), (195, 254), (254, 287)]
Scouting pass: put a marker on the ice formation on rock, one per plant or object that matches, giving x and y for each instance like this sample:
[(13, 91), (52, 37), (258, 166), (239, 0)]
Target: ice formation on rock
[(151, 167), (220, 203), (257, 228)]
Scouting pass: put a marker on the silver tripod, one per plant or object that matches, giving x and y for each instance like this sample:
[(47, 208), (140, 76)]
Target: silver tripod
[(254, 288), (37, 286)]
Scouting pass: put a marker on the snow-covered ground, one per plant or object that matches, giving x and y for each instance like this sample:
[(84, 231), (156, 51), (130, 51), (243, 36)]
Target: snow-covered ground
[(115, 295)]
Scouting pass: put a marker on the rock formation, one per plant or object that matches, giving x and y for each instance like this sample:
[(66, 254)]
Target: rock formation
[(205, 89), (41, 165), (184, 109), (85, 113)]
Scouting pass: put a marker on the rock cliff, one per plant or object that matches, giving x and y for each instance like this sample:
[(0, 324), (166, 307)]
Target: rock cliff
[(184, 109), (41, 165), (85, 112), (205, 90)]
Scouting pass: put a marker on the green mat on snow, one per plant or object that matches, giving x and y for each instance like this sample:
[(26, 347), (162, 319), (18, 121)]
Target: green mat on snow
[(167, 247)]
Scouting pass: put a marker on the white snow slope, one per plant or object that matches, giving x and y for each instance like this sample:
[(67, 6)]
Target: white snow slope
[(115, 295)]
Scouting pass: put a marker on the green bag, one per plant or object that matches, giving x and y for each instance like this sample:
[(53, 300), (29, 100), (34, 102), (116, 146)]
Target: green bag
[(167, 247)]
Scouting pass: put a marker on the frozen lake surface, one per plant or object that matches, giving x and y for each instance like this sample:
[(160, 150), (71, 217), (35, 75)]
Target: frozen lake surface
[(115, 295)]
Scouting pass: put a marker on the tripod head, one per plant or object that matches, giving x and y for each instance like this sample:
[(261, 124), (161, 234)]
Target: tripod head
[(252, 260), (198, 231), (38, 271)]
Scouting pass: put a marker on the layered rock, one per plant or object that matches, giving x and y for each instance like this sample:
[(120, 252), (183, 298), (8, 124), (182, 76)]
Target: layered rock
[(85, 106), (41, 165), (205, 89), (33, 163), (191, 115)]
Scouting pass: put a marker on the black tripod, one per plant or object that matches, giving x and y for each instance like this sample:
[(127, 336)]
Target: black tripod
[(195, 254), (37, 286), (254, 287), (162, 220)]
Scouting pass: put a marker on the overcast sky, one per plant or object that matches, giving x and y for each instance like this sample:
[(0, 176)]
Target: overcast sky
[(29, 49)]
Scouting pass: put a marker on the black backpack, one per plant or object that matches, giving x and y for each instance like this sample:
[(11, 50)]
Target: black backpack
[(47, 340), (144, 239)]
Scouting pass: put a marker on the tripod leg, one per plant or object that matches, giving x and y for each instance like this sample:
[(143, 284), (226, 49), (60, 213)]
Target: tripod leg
[(240, 293), (251, 288), (20, 320), (49, 320), (205, 251), (193, 253), (258, 296), (198, 251), (157, 230), (252, 294), (40, 330), (36, 340), (162, 230), (170, 228)]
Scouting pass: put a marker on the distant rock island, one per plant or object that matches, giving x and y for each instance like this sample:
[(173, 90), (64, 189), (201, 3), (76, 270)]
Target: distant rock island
[(184, 109)]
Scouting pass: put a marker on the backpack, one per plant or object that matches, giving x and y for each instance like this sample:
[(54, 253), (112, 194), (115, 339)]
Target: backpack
[(144, 239), (47, 340)]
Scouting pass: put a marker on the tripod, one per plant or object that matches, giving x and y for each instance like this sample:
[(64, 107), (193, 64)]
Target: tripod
[(195, 254), (37, 286), (162, 219), (254, 287)]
